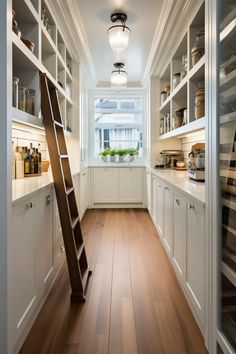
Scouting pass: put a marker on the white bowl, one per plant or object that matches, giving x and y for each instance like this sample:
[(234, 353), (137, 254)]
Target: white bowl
[(180, 164)]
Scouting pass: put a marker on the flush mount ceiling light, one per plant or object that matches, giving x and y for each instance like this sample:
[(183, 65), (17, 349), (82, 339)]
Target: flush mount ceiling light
[(119, 33), (119, 76)]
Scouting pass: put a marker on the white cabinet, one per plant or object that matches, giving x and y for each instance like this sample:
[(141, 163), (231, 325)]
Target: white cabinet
[(22, 267), (154, 199), (105, 185), (179, 214), (130, 185), (168, 218), (31, 255), (84, 192), (179, 220), (160, 207), (45, 241), (195, 256), (118, 185), (148, 189)]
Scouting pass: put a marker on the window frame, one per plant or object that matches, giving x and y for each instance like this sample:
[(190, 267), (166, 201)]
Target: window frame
[(128, 93)]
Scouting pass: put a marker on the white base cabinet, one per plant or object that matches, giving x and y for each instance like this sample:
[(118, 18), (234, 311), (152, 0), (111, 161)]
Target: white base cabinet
[(148, 190), (83, 192), (34, 248), (114, 185), (179, 221)]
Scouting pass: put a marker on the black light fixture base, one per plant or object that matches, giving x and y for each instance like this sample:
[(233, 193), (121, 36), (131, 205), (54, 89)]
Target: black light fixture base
[(119, 65), (118, 16)]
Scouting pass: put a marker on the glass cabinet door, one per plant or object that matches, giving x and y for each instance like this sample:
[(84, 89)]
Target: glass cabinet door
[(227, 129)]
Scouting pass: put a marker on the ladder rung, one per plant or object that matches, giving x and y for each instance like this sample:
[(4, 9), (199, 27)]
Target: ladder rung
[(58, 124), (63, 156), (80, 251), (74, 222), (69, 190)]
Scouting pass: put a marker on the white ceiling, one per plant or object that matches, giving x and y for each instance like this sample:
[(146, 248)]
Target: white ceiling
[(143, 16)]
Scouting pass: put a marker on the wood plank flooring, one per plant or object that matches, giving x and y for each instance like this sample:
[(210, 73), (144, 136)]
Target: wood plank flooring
[(134, 302)]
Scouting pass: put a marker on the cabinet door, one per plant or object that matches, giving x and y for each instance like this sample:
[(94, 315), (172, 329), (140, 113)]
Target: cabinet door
[(160, 207), (148, 189), (154, 199), (105, 185), (83, 192), (130, 185), (179, 234), (45, 240), (168, 218), (22, 267), (195, 256)]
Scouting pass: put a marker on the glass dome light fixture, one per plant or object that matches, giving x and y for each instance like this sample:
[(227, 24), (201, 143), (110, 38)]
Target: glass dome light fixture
[(119, 32), (118, 76)]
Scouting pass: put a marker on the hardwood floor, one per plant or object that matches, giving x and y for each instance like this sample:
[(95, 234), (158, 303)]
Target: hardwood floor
[(134, 302)]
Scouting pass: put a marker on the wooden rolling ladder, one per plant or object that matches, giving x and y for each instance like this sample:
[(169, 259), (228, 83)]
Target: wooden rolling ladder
[(79, 270)]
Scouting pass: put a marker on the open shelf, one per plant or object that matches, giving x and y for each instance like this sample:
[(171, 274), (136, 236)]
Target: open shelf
[(185, 129)]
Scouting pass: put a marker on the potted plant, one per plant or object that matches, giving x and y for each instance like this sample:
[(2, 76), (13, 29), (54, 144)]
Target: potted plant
[(132, 152), (121, 153), (104, 154), (113, 153)]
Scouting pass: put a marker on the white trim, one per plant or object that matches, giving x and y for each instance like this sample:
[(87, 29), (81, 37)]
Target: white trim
[(5, 163)]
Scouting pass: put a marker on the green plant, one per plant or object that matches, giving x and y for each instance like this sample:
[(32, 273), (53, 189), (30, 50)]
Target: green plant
[(113, 152), (105, 152), (132, 151), (121, 152)]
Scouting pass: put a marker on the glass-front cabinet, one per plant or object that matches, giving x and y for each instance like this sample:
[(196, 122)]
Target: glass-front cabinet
[(227, 169)]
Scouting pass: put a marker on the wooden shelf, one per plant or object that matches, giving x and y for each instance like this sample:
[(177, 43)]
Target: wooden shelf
[(185, 129)]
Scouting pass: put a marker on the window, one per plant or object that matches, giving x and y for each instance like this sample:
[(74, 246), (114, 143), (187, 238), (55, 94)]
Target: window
[(118, 123)]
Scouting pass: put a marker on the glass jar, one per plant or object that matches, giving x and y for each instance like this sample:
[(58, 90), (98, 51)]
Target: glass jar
[(30, 101), (176, 80), (167, 123), (179, 117), (200, 103), (15, 89), (21, 97), (198, 49), (161, 126), (184, 67), (167, 90), (163, 97)]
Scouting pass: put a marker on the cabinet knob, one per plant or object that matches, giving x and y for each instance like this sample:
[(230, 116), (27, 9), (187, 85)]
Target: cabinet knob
[(83, 174), (176, 201), (29, 205), (191, 206), (48, 200), (167, 188)]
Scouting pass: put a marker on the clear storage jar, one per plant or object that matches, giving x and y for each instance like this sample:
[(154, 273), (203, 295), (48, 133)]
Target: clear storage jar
[(198, 49), (15, 89), (21, 97), (30, 101)]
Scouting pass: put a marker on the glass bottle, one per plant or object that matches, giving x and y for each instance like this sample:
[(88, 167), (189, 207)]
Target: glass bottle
[(15, 89), (30, 101), (21, 97)]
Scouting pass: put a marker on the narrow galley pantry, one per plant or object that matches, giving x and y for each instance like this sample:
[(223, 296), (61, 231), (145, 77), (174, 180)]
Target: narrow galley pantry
[(118, 177)]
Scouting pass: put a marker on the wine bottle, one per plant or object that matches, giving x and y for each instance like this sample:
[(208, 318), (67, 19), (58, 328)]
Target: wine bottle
[(19, 163), (39, 159), (31, 160), (27, 162), (13, 162)]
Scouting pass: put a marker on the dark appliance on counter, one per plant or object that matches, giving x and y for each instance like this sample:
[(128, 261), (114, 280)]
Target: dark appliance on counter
[(168, 158), (196, 164)]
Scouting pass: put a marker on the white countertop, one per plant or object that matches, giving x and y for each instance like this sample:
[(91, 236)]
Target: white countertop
[(24, 187), (180, 180)]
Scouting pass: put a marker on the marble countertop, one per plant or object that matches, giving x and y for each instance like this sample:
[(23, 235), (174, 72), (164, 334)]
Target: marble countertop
[(180, 180)]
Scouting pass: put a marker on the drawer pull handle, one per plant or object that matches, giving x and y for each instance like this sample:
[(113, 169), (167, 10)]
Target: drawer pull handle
[(29, 205), (191, 206), (62, 249), (83, 174), (167, 188)]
